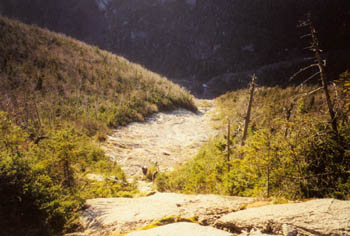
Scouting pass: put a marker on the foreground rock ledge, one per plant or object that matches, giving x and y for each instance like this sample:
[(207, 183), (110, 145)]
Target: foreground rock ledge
[(181, 229), (121, 215), (316, 217)]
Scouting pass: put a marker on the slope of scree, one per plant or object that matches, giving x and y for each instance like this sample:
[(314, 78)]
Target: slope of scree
[(164, 140)]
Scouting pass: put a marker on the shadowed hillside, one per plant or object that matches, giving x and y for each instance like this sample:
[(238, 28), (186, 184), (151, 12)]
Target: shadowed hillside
[(195, 41)]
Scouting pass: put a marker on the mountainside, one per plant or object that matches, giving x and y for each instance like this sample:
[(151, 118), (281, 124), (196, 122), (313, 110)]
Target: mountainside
[(193, 41), (67, 112), (59, 98), (47, 77)]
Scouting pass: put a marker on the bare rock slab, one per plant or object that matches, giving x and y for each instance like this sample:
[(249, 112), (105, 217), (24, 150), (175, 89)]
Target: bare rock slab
[(121, 215), (165, 139), (316, 217), (181, 229)]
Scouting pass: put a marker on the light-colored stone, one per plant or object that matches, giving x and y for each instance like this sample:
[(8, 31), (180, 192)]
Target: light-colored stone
[(122, 215), (181, 229), (166, 139), (289, 230), (95, 177), (76, 234), (255, 232), (145, 187), (316, 217)]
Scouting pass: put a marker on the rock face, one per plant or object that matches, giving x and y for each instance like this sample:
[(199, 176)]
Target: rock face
[(120, 215), (316, 217), (181, 229)]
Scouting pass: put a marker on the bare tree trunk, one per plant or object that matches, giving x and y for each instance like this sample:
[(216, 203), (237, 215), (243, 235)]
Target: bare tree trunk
[(268, 182), (38, 116), (321, 65), (247, 118), (288, 115), (228, 143)]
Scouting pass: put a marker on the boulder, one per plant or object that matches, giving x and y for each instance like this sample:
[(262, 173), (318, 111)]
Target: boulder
[(315, 217)]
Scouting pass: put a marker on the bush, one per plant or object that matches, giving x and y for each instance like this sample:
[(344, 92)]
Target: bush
[(46, 179), (28, 188), (328, 169)]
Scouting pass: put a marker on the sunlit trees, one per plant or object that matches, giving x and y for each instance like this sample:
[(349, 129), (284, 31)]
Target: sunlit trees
[(290, 152)]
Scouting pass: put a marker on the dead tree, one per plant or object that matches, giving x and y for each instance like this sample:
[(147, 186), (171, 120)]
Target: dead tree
[(320, 63), (228, 140), (228, 145), (247, 117), (321, 66)]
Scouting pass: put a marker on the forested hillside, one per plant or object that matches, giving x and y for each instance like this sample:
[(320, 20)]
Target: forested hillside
[(58, 98)]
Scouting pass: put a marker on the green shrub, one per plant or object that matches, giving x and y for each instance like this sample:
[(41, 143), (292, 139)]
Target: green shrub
[(290, 152), (42, 185)]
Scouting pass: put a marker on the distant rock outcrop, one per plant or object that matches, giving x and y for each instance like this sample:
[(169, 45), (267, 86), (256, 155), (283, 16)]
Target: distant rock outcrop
[(103, 4)]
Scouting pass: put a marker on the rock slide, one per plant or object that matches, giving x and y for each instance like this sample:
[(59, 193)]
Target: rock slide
[(165, 140)]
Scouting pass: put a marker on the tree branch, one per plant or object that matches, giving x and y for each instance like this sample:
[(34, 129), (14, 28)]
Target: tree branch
[(302, 70), (313, 91), (306, 35), (308, 79)]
